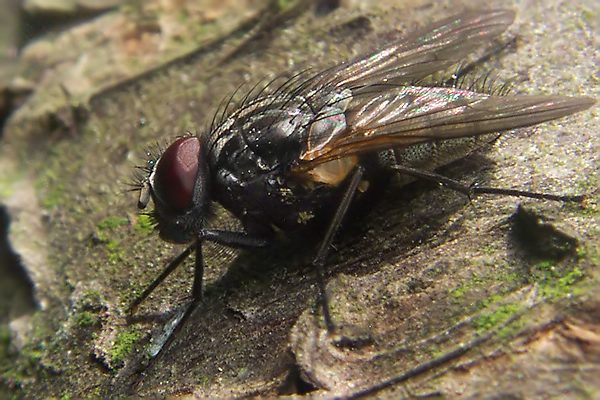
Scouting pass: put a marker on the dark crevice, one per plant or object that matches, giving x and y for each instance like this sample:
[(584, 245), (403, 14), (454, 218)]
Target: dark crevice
[(295, 383), (16, 288), (353, 29), (324, 7), (35, 26), (11, 98)]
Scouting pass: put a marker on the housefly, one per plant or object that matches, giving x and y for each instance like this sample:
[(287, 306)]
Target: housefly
[(297, 155)]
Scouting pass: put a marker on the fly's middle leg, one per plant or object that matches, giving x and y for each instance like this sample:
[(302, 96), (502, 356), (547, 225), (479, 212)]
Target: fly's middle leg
[(319, 260)]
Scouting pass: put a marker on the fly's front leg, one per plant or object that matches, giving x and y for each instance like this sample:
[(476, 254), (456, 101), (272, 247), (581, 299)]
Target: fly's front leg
[(176, 323), (198, 274), (319, 260), (226, 238), (170, 329), (171, 266), (238, 240)]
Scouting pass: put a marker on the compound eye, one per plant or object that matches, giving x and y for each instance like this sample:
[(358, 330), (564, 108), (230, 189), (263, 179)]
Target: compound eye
[(176, 172)]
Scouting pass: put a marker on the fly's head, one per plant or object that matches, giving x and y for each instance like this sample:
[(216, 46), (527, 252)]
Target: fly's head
[(178, 183)]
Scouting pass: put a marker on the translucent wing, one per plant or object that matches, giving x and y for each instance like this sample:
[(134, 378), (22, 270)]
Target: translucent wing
[(383, 117), (426, 51)]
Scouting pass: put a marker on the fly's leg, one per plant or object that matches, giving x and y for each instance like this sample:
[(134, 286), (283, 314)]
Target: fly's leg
[(226, 238), (198, 275), (470, 190), (179, 320), (465, 69), (174, 325), (232, 239), (319, 260), (171, 266)]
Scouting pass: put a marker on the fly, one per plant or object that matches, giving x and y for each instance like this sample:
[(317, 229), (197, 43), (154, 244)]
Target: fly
[(297, 156)]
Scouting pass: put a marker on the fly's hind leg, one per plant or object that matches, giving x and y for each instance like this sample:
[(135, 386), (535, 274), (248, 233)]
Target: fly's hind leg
[(470, 190), (319, 260), (463, 70)]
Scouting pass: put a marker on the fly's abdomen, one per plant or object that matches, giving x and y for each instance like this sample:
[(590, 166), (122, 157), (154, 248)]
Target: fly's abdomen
[(432, 155)]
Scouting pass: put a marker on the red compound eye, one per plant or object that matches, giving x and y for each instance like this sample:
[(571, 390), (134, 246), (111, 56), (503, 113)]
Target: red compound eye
[(176, 172)]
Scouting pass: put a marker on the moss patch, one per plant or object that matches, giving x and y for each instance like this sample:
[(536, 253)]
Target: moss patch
[(5, 362), (51, 189), (554, 281), (113, 222), (7, 183), (115, 251), (124, 345), (458, 293), (285, 4), (91, 300), (563, 286), (144, 224), (488, 321), (107, 233), (85, 319)]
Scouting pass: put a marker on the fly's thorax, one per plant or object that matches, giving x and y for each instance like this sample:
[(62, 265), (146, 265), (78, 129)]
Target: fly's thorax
[(327, 97), (259, 136), (275, 201), (328, 122)]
